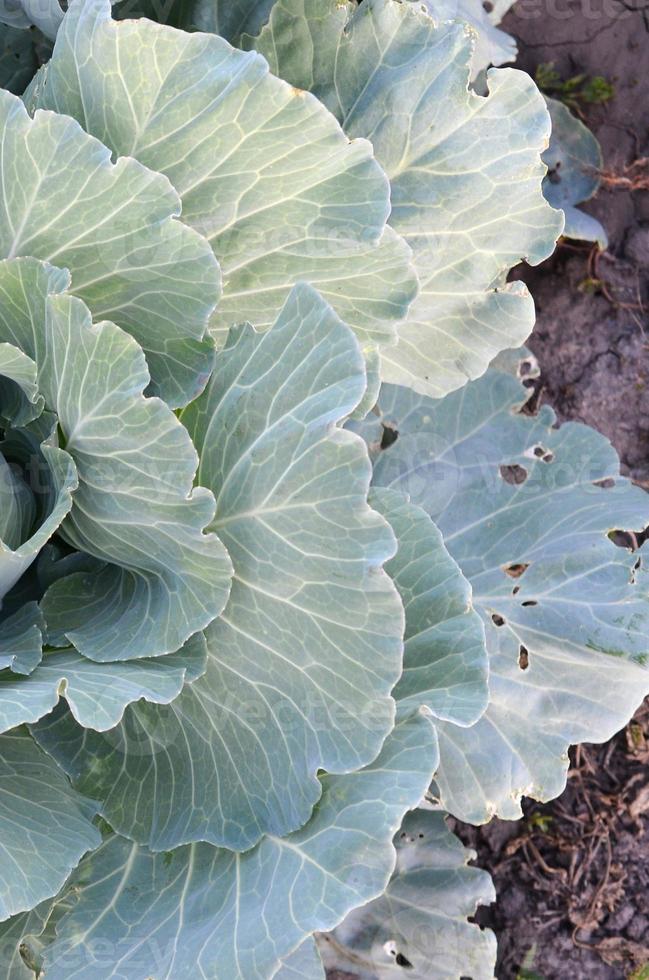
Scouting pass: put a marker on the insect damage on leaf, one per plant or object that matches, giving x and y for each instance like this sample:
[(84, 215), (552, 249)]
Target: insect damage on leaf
[(292, 561)]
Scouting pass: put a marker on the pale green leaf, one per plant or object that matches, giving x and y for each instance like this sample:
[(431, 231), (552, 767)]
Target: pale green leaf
[(44, 14), (113, 227), (20, 401), (25, 285), (465, 170), (491, 45), (166, 579), (526, 510), (17, 506), (302, 661), (97, 694), (445, 660), (419, 927), (54, 478), (45, 827), (263, 171), (202, 913)]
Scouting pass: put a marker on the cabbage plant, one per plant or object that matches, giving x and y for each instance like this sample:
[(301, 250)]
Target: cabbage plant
[(291, 567)]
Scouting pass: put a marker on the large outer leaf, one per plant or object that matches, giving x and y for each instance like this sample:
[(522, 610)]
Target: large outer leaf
[(422, 916), (302, 661), (203, 912), (445, 662), (45, 827), (264, 172), (465, 170), (568, 660), (112, 225), (96, 693), (166, 579)]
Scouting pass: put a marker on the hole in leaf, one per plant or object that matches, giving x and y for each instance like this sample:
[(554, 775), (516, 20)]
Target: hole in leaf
[(403, 961), (513, 474), (523, 658), (630, 540), (516, 569), (516, 590), (543, 454), (389, 436), (497, 620), (529, 602), (487, 6)]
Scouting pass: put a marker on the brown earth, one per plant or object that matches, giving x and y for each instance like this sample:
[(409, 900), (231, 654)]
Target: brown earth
[(592, 345), (572, 877)]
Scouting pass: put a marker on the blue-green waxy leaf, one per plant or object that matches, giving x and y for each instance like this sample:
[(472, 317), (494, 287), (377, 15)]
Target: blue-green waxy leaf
[(303, 964), (45, 826), (20, 942), (229, 18), (36, 478), (445, 662), (208, 913), (465, 171), (526, 510), (20, 401), (130, 450), (312, 29), (263, 171), (574, 161), (165, 578), (17, 506), (421, 919), (21, 639), (113, 227), (54, 476), (302, 661), (97, 694), (491, 45)]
